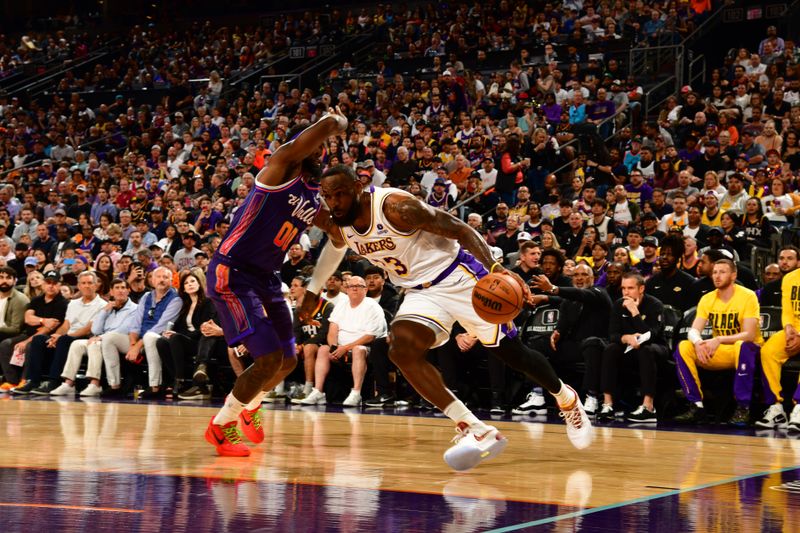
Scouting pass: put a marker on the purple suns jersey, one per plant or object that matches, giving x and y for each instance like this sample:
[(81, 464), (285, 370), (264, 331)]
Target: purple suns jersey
[(268, 223)]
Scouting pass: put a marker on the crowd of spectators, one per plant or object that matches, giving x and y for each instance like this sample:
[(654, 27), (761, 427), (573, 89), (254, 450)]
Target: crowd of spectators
[(549, 159)]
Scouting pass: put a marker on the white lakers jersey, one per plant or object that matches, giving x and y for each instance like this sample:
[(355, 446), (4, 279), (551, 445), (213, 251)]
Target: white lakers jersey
[(410, 259)]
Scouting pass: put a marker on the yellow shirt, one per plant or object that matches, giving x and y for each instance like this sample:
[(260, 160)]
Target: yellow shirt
[(790, 299), (716, 221), (726, 318)]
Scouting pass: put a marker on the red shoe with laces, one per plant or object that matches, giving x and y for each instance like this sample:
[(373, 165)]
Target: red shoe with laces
[(226, 439), (252, 425)]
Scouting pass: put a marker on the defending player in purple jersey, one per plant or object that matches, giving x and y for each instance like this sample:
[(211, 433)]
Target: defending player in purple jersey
[(244, 285)]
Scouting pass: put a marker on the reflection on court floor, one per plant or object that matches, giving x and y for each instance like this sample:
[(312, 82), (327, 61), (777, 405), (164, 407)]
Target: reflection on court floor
[(92, 466)]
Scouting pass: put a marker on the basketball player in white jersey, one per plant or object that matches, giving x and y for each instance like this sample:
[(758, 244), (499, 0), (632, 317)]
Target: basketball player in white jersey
[(438, 258)]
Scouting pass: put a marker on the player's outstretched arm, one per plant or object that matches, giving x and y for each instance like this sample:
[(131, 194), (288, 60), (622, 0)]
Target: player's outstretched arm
[(409, 214), (329, 259), (291, 154)]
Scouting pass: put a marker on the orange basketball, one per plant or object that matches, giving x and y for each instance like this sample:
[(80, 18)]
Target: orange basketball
[(497, 298)]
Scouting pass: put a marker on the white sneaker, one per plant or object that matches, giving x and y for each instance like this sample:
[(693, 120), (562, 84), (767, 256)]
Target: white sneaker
[(591, 405), (92, 390), (63, 390), (794, 419), (353, 399), (533, 405), (579, 428), (315, 398), (774, 417), (473, 445)]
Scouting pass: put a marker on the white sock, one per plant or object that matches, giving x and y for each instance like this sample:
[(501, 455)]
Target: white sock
[(230, 411), (699, 404), (280, 389), (255, 403), (307, 387), (458, 412), (565, 396)]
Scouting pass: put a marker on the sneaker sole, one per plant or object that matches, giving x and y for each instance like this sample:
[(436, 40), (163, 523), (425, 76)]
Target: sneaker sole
[(643, 420), (771, 425), (468, 458), (541, 411)]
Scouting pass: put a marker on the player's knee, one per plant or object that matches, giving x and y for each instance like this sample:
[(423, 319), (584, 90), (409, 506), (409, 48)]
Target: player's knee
[(409, 343), (685, 350), (288, 364)]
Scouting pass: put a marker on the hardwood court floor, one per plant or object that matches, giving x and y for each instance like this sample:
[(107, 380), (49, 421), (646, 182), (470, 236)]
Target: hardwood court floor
[(98, 466)]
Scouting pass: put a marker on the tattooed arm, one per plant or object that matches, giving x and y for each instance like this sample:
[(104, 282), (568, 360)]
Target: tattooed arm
[(409, 214)]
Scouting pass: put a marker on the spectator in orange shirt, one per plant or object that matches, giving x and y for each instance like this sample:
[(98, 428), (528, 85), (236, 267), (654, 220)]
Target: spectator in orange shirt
[(460, 174)]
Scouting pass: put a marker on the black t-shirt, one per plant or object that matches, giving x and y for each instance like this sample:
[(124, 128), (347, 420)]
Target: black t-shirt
[(673, 291), (770, 295), (56, 308), (311, 334)]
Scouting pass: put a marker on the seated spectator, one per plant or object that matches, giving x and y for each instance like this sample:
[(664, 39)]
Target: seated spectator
[(77, 324), (636, 326), (155, 311), (185, 257), (308, 338), (770, 294), (136, 278), (581, 329), (386, 295), (736, 343), (296, 262), (110, 324), (353, 327), (12, 316), (670, 285), (190, 339), (34, 286), (44, 315)]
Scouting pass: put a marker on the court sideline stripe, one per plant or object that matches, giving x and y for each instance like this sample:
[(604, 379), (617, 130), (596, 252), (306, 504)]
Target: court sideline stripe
[(70, 507), (644, 499)]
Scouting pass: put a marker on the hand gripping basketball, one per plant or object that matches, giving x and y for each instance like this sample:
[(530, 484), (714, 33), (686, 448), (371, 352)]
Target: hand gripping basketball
[(498, 298)]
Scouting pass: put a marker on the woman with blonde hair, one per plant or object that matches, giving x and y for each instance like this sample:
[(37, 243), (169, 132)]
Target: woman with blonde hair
[(33, 287), (549, 241)]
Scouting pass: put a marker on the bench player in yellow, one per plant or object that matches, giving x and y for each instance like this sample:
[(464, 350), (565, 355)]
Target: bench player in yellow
[(734, 314), (779, 349)]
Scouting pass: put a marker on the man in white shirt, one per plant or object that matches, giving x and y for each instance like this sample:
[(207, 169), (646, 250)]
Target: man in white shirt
[(113, 319), (623, 214), (185, 257), (679, 217), (487, 173), (77, 325), (333, 290), (378, 177), (735, 199), (353, 326)]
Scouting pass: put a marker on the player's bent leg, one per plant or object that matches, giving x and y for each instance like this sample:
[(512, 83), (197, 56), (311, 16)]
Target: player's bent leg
[(537, 368), (686, 360), (773, 356), (475, 441), (408, 348)]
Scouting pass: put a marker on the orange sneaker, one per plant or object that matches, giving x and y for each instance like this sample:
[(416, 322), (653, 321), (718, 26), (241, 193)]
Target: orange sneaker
[(252, 425), (227, 439), (6, 387)]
